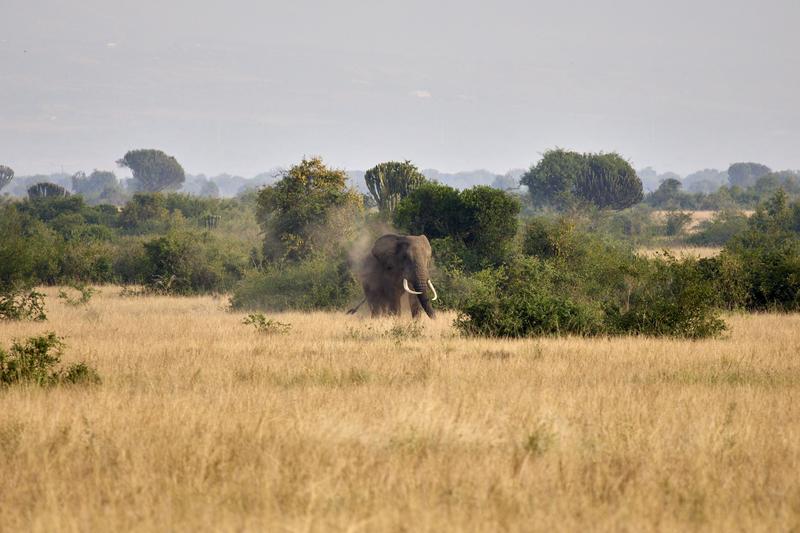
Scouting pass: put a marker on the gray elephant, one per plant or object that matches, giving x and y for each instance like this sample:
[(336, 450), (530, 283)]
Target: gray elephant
[(398, 265)]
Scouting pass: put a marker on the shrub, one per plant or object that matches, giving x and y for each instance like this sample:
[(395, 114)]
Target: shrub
[(634, 224), (590, 287), (28, 249), (723, 226), (548, 238), (763, 277), (18, 304), (49, 208), (131, 264), (481, 222), (522, 300), (35, 361), (185, 262), (144, 213), (316, 283), (759, 269), (668, 297), (85, 294), (675, 222), (309, 197), (266, 325)]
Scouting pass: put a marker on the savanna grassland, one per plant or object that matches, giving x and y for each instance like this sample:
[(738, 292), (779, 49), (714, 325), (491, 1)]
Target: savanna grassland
[(203, 423)]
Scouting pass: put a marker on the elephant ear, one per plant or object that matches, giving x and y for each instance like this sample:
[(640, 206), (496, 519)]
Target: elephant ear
[(387, 249)]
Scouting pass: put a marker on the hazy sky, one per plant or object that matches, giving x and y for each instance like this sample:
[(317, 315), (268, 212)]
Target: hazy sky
[(241, 86)]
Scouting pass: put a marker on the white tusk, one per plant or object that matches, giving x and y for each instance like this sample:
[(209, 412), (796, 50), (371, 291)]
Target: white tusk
[(435, 296), (405, 286)]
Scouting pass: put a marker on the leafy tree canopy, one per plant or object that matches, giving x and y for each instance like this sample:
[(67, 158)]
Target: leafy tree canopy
[(481, 220), (608, 182), (746, 174), (153, 170), (101, 186), (564, 179), (667, 195), (298, 213), (550, 182)]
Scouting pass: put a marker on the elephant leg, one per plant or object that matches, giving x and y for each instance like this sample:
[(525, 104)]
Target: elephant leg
[(413, 303), (374, 301)]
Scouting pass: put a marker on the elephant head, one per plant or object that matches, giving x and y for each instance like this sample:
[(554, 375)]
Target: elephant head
[(408, 259)]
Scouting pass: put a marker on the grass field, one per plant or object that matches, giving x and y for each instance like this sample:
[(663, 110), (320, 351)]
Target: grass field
[(682, 251), (349, 424)]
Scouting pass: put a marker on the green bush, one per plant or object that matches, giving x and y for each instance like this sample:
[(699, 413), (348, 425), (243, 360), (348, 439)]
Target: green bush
[(194, 262), (550, 237), (85, 294), (594, 262), (759, 268), (481, 222), (60, 240), (581, 284), (676, 222), (28, 249), (722, 227), (86, 261), (267, 326), (144, 213), (316, 283), (667, 297), (35, 362), (635, 224), (521, 300), (20, 304)]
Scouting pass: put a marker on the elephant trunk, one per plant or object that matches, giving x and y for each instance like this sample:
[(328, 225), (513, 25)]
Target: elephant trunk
[(421, 280)]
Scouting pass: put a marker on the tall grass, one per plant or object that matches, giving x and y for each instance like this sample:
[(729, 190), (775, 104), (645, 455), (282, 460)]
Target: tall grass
[(342, 423)]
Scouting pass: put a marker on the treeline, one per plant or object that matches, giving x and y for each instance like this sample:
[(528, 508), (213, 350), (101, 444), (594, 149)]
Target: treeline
[(570, 266), (559, 179)]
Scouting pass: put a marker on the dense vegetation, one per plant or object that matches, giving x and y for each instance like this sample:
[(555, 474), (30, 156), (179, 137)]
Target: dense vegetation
[(558, 258)]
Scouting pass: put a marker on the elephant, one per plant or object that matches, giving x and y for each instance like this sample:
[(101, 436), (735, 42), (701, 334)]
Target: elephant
[(385, 274)]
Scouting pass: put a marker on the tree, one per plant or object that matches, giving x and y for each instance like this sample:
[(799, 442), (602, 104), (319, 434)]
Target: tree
[(434, 210), (746, 174), (310, 207), (209, 189), (6, 175), (564, 179), (706, 181), (667, 195), (506, 182), (390, 182), (153, 170), (46, 190), (492, 223), (481, 222), (550, 182), (608, 181), (143, 210), (99, 186)]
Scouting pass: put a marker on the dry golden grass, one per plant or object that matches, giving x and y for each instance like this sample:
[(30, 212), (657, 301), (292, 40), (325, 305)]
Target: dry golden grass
[(203, 424), (660, 216), (698, 217), (682, 251)]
